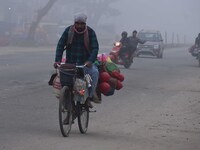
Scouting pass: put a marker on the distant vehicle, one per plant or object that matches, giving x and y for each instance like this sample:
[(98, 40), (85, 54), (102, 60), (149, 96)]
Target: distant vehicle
[(154, 43), (114, 55)]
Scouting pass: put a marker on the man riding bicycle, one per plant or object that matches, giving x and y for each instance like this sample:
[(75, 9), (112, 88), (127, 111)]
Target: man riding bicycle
[(81, 45)]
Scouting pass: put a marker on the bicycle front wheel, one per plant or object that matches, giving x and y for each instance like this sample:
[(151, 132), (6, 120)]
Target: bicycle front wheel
[(83, 117), (65, 111)]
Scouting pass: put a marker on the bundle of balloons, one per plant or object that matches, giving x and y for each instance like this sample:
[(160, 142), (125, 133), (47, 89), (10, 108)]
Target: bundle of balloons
[(110, 77)]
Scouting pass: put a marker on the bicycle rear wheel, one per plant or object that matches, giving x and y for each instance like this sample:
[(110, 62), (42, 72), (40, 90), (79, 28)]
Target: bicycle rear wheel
[(83, 117), (65, 111)]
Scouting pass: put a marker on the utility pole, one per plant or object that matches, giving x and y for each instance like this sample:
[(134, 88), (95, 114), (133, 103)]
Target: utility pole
[(165, 37), (172, 38), (177, 37)]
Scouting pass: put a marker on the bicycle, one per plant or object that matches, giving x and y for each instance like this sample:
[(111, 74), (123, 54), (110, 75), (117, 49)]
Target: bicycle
[(73, 98)]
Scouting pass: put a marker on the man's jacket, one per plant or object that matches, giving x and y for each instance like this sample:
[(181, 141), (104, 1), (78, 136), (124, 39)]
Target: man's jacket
[(125, 42), (77, 51), (134, 42)]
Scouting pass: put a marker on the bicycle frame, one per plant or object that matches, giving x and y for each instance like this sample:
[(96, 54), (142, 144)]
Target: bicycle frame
[(74, 101)]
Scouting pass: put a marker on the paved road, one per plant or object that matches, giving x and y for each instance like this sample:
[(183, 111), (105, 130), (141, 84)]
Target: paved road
[(158, 108)]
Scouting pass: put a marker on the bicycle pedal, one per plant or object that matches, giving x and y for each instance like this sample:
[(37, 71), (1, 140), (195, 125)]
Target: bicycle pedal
[(92, 111), (64, 110)]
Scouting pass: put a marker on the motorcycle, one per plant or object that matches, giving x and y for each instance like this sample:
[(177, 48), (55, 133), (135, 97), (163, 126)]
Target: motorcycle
[(124, 59), (195, 51)]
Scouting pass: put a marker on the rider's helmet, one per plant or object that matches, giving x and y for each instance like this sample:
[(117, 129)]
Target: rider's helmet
[(124, 34), (135, 31)]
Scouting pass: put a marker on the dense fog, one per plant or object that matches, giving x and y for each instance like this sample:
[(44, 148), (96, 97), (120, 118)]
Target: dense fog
[(177, 18)]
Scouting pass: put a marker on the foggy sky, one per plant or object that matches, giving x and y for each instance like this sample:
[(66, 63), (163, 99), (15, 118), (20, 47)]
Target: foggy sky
[(179, 16)]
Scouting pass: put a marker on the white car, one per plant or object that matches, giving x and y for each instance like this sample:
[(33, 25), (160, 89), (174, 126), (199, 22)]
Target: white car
[(153, 46)]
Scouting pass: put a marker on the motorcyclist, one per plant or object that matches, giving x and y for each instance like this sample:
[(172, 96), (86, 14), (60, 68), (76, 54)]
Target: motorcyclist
[(197, 41), (134, 40), (125, 44)]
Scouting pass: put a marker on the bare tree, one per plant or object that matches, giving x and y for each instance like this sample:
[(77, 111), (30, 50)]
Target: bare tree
[(94, 8), (41, 13)]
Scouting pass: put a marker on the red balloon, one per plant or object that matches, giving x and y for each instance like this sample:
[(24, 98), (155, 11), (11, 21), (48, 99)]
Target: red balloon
[(104, 77), (117, 75), (104, 87), (121, 77), (112, 81), (119, 85)]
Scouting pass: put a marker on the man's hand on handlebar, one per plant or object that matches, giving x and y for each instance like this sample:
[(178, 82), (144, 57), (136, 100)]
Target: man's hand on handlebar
[(56, 64), (88, 64)]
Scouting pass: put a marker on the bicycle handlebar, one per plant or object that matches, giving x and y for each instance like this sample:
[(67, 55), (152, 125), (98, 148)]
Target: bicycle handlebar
[(70, 66)]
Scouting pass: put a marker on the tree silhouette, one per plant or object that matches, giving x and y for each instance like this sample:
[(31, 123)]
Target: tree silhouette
[(41, 13), (95, 10)]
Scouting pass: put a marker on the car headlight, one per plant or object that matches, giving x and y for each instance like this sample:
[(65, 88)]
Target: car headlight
[(156, 46)]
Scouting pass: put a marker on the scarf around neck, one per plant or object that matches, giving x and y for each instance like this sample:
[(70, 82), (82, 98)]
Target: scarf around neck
[(71, 32)]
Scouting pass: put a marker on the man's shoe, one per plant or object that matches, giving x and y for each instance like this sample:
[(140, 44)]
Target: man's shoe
[(96, 99), (89, 104)]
